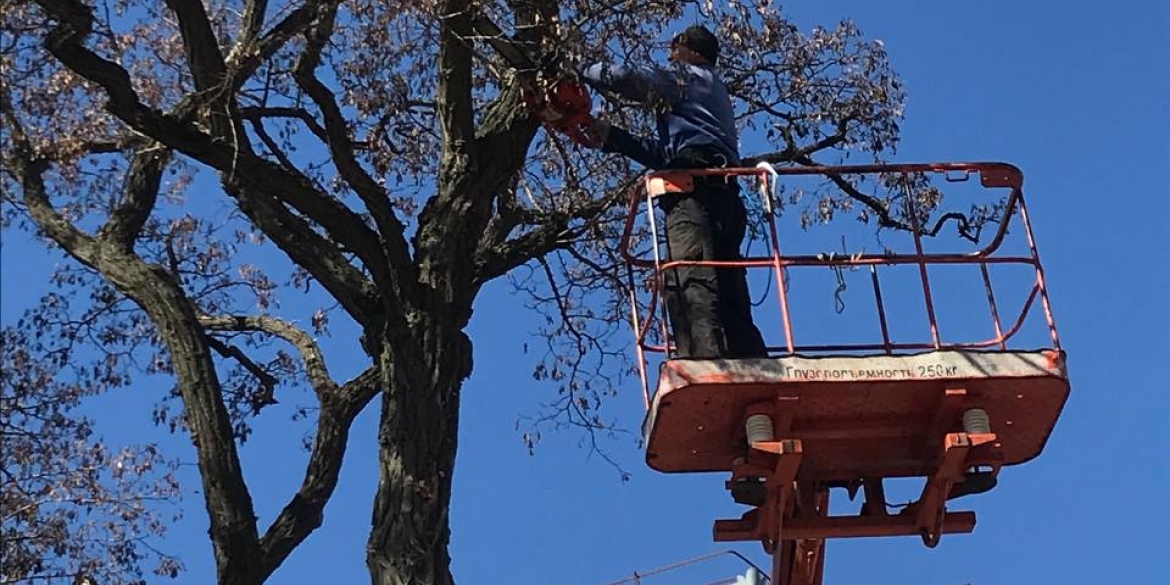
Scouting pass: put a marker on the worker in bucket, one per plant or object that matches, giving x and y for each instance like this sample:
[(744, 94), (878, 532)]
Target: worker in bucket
[(709, 309)]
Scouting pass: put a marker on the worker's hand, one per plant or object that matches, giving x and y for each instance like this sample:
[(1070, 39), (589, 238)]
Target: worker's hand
[(597, 131)]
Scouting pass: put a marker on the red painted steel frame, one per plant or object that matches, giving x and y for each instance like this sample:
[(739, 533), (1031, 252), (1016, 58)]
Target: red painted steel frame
[(791, 519)]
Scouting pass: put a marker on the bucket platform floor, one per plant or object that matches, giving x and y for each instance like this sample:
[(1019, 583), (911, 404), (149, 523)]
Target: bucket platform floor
[(857, 416)]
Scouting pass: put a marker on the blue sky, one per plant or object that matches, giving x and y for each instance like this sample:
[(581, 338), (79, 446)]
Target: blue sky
[(1074, 93)]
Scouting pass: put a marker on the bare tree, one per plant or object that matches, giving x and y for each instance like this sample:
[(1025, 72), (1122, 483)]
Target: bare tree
[(385, 150)]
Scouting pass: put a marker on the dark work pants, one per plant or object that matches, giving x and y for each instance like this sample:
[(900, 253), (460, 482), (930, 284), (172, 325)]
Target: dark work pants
[(709, 308)]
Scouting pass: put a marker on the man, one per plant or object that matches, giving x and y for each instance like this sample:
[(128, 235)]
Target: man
[(710, 310)]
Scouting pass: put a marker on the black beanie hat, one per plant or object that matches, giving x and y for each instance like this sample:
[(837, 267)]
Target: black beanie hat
[(700, 40)]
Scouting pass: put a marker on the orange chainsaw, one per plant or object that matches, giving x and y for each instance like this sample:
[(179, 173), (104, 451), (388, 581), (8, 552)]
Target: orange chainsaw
[(566, 108)]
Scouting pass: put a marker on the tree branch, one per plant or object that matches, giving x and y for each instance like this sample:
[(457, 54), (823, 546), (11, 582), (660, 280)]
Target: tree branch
[(240, 553), (449, 223), (205, 61), (501, 142), (246, 171), (494, 259), (232, 516), (885, 218), (259, 185), (395, 273), (29, 171), (108, 145), (281, 156), (204, 58), (256, 113), (139, 193), (248, 54), (253, 21), (311, 355), (305, 512), (267, 381), (792, 153), (297, 238), (454, 97)]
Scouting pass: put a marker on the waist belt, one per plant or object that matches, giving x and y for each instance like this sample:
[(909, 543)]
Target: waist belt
[(706, 157)]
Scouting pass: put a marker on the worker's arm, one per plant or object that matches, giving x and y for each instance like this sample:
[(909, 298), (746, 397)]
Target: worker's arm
[(644, 85), (641, 149)]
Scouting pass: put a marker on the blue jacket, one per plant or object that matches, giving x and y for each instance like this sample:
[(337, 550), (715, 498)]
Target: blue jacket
[(692, 105)]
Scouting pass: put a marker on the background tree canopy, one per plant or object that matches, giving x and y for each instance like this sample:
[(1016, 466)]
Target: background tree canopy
[(202, 161)]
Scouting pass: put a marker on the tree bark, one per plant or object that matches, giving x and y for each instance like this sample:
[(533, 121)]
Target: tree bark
[(229, 505), (417, 437)]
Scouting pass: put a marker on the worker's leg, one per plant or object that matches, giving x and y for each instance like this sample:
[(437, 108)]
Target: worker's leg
[(729, 227), (691, 292)]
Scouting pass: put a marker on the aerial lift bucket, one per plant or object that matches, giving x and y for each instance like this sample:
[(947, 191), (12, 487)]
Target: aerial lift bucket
[(806, 419)]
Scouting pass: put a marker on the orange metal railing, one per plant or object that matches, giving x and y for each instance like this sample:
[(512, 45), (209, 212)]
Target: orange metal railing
[(992, 175)]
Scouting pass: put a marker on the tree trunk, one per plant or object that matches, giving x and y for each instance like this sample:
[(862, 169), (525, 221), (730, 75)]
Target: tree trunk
[(417, 438)]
